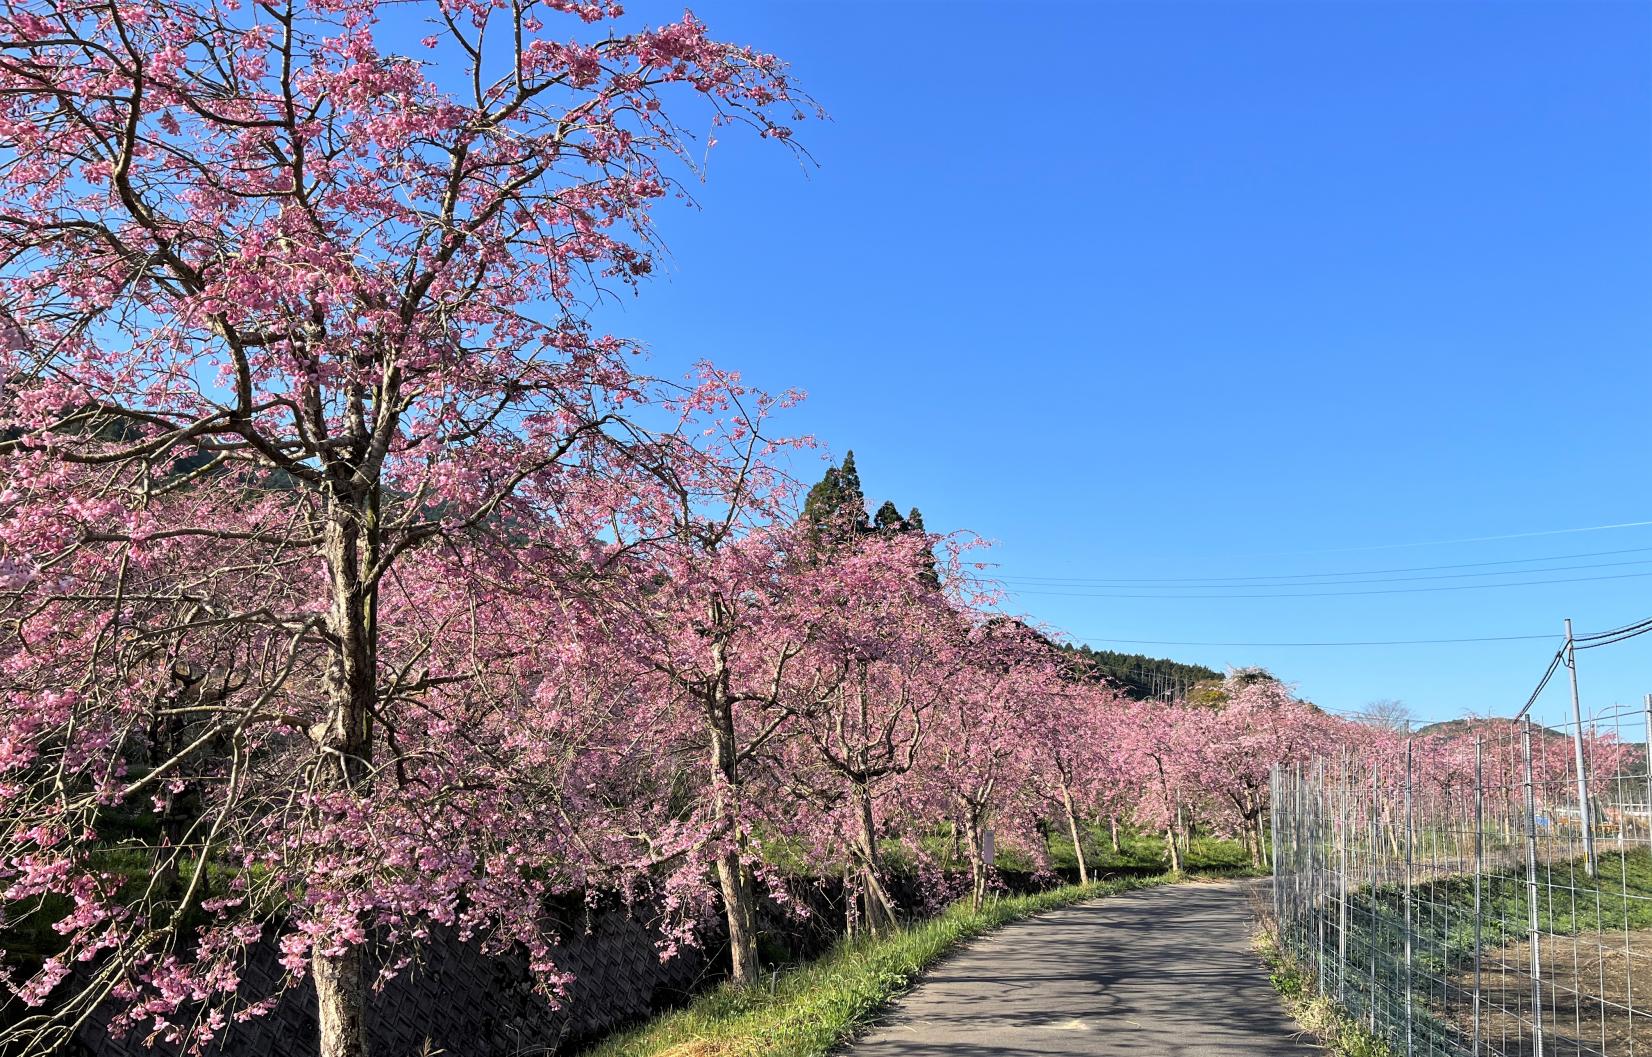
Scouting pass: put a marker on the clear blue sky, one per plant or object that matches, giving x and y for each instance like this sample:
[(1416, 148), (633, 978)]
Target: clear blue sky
[(1157, 290)]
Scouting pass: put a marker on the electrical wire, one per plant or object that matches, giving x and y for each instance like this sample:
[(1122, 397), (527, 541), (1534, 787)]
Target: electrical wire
[(1219, 583), (1613, 637), (1337, 594), (1489, 539), (1374, 642), (1554, 666), (1347, 572)]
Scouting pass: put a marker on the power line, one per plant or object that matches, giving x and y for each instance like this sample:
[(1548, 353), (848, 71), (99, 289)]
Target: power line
[(1375, 642), (1220, 582), (1490, 539), (1337, 594), (1609, 638), (1554, 666), (1347, 572)]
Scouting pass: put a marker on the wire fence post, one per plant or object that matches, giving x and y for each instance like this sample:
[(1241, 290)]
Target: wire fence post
[(1479, 871), (1531, 891), (1299, 805), (1342, 883), (1583, 814), (1408, 923), (1371, 900), (1646, 717), (1317, 895), (1274, 791)]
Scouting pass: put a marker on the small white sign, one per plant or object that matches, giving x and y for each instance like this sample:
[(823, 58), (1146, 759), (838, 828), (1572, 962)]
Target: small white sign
[(988, 853)]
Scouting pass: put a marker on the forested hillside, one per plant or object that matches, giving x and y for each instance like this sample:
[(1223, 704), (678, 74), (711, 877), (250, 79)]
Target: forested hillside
[(1140, 676)]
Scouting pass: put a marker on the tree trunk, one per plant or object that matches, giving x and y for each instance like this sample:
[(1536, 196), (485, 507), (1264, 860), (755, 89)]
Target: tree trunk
[(341, 1003), (879, 908), (1175, 852), (733, 876), (740, 902), (1072, 828), (346, 742), (1113, 832), (977, 866)]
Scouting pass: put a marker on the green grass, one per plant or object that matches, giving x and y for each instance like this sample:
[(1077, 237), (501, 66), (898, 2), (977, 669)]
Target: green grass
[(1340, 1033), (809, 1010), (1569, 901), (1145, 852), (1442, 933)]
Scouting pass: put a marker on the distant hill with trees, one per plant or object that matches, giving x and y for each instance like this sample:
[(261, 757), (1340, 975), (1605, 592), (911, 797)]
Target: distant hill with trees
[(1140, 676)]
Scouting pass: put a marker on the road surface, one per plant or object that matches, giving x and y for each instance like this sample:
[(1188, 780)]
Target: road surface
[(1161, 972)]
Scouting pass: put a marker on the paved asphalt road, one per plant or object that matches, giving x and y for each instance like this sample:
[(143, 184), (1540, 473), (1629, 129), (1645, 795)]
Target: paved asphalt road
[(1162, 972)]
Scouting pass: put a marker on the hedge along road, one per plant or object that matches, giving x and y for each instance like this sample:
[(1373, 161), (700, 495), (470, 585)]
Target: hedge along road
[(1162, 972)]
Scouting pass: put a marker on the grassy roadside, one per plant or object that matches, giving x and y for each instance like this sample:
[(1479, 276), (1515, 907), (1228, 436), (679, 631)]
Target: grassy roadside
[(814, 1007), (1339, 1033)]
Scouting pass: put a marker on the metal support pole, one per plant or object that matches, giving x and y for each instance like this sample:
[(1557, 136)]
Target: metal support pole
[(1648, 807), (1584, 815), (1408, 843), (1274, 790), (1372, 901), (1479, 872), (1531, 891), (1299, 867), (1318, 895), (1342, 885)]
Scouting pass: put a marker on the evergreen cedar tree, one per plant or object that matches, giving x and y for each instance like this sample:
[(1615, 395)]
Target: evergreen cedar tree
[(835, 508), (352, 587), (834, 515)]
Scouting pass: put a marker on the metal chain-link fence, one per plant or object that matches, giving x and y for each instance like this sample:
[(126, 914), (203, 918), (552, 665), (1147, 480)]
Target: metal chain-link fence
[(1484, 889)]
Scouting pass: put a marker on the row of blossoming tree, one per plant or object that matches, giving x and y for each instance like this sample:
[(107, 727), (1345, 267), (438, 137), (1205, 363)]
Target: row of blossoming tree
[(353, 586)]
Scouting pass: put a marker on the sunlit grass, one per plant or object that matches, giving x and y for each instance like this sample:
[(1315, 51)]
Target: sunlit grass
[(1341, 1034)]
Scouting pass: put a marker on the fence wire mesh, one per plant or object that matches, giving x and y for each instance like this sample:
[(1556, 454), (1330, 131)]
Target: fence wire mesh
[(1484, 890)]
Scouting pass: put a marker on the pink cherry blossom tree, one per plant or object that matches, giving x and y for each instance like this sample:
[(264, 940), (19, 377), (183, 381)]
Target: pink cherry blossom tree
[(980, 774), (1163, 754), (1259, 723), (881, 655), (699, 604), (1081, 762), (294, 346)]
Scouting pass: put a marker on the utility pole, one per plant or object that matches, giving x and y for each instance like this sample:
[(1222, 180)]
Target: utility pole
[(1583, 817)]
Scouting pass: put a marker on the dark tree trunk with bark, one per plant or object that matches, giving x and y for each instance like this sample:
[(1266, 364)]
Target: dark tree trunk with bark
[(977, 861), (734, 878), (341, 1002), (879, 909), (346, 743)]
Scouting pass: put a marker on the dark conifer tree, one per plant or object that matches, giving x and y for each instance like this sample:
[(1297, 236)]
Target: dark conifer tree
[(888, 518), (821, 506), (835, 508), (834, 513), (851, 500)]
